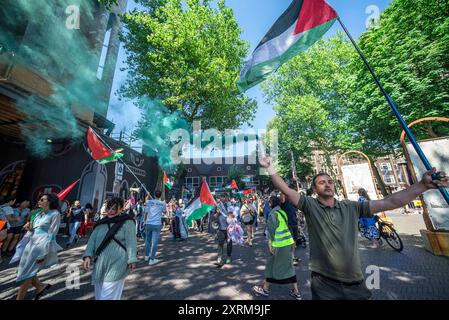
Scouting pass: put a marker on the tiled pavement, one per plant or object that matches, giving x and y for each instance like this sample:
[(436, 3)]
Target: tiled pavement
[(187, 270)]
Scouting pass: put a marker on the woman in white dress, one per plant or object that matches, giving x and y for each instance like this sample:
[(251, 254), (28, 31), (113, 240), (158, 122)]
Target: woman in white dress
[(41, 250)]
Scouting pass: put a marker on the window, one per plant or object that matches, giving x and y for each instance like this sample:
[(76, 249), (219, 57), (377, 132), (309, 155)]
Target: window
[(385, 166), (248, 168), (192, 182), (216, 181), (389, 179), (219, 169), (105, 47), (189, 170)]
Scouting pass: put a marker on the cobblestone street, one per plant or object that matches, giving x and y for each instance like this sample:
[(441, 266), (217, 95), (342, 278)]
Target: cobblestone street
[(187, 270)]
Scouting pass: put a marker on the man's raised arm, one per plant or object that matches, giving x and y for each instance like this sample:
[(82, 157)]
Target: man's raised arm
[(278, 182), (400, 199)]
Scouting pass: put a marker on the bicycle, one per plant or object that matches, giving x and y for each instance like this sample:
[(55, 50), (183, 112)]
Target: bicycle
[(383, 230)]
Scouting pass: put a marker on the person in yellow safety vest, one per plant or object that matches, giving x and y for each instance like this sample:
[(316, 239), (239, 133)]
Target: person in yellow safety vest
[(279, 268)]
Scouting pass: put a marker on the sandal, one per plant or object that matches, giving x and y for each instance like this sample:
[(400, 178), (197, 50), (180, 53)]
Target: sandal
[(260, 290), (40, 294)]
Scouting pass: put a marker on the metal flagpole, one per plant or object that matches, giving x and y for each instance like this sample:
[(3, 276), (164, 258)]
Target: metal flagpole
[(393, 107), (129, 169), (294, 171)]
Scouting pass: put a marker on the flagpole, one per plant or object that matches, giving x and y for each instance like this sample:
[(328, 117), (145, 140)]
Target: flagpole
[(124, 164), (393, 107), (294, 171)]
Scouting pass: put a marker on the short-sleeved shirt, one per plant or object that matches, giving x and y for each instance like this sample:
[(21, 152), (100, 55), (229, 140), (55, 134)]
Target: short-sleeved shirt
[(6, 210), (77, 215), (333, 237), (154, 210), (22, 215)]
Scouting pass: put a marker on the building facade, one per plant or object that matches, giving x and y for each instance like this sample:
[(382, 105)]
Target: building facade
[(61, 90)]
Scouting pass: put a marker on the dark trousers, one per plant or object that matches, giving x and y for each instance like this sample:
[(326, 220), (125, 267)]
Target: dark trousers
[(324, 288), (222, 239)]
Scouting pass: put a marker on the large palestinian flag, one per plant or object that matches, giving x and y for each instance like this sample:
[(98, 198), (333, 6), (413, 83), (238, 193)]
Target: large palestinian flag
[(299, 27), (201, 206)]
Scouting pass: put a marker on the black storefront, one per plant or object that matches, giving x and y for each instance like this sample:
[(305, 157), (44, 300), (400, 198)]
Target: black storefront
[(26, 177)]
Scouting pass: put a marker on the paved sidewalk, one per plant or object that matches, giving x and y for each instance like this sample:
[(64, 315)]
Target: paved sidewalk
[(187, 270)]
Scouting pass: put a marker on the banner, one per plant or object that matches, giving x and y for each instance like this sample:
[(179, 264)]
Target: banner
[(356, 176), (437, 152)]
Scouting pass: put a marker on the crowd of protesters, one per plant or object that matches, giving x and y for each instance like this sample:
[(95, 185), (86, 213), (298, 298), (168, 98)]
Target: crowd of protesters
[(29, 235)]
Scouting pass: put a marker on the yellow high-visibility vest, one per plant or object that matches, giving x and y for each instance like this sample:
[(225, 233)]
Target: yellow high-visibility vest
[(282, 236)]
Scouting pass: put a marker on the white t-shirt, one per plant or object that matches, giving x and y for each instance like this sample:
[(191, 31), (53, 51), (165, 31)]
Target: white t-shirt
[(154, 210)]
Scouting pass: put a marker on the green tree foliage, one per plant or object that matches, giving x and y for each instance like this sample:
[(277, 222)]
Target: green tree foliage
[(310, 96), (189, 57), (409, 51)]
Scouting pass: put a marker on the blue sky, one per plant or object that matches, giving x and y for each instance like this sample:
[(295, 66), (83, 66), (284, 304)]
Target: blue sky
[(255, 17)]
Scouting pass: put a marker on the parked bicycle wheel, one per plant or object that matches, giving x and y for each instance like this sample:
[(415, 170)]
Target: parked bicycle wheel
[(391, 236)]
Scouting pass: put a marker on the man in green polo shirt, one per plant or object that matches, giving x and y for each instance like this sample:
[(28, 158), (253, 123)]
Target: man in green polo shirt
[(333, 227)]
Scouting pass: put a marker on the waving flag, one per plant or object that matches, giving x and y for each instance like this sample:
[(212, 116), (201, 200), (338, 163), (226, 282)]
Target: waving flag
[(167, 181), (98, 150), (298, 28), (61, 195), (201, 205), (233, 185)]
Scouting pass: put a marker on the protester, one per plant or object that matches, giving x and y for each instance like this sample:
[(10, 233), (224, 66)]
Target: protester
[(41, 251), (266, 213), (112, 249), (279, 268), (292, 216), (368, 225), (76, 217), (153, 226), (248, 214), (224, 216), (332, 226), (5, 209), (180, 230), (16, 222), (87, 221), (139, 218)]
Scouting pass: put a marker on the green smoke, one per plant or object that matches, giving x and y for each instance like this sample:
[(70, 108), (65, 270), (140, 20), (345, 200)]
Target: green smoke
[(35, 37), (155, 128)]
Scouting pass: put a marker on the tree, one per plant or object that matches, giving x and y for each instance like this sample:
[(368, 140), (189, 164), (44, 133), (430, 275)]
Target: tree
[(310, 96), (409, 51), (189, 57)]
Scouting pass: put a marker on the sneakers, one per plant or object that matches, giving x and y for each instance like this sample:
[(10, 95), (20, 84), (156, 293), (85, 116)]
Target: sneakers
[(153, 261), (296, 261), (295, 295), (259, 290), (146, 258)]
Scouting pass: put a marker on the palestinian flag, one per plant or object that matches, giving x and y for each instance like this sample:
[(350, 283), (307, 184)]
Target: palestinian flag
[(167, 182), (201, 205), (298, 28), (247, 191), (233, 185), (98, 151)]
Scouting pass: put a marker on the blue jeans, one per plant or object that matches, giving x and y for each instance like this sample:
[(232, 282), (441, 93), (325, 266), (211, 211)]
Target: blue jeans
[(152, 233), (73, 230)]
